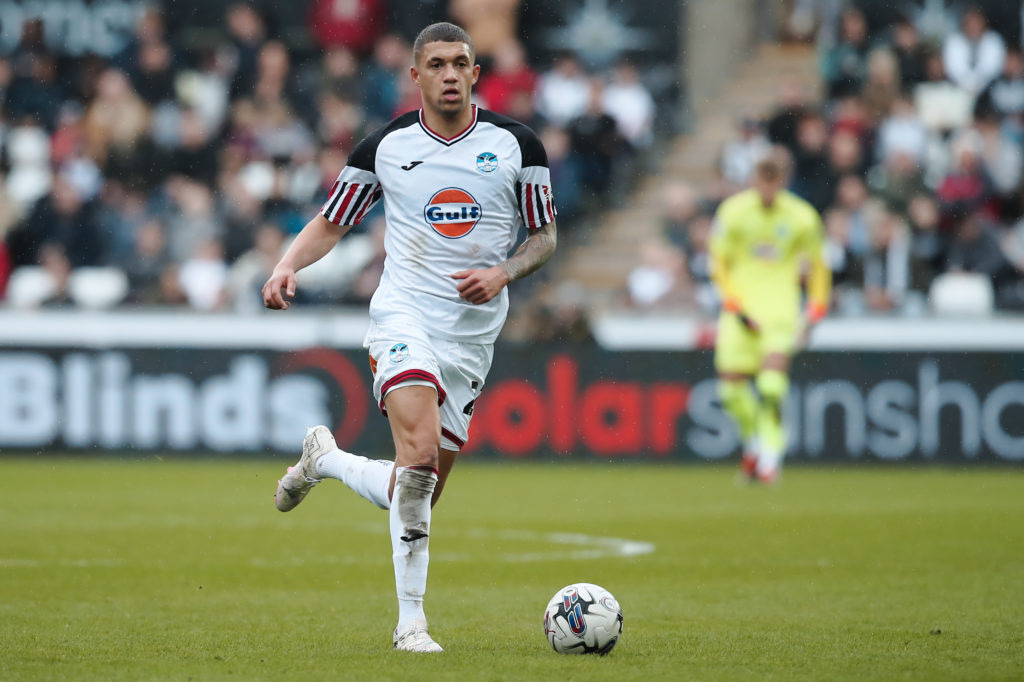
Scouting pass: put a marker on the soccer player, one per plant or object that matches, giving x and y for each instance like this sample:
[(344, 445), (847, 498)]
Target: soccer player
[(456, 181), (762, 240)]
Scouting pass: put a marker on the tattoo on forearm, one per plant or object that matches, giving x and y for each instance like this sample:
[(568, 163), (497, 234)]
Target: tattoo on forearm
[(533, 253)]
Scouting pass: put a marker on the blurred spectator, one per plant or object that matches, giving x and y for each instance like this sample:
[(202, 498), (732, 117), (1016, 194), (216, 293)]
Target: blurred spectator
[(882, 85), (189, 217), (565, 174), (246, 32), (509, 77), (845, 64), (902, 133), (845, 155), (850, 115), (887, 264), (34, 94), (365, 282), (149, 260), (1000, 153), (630, 103), (660, 280), (275, 85), (490, 22), (698, 262), (54, 260), (597, 143), (812, 176), (522, 108), (910, 54), (381, 75), (116, 120), (565, 319), (841, 260), (1005, 95), (353, 24), (973, 57), (941, 105), (740, 154), (563, 92), (782, 124), (153, 72), (61, 219), (120, 212), (853, 197), (340, 74), (966, 188), (203, 276), (976, 248), (897, 181), (247, 274), (680, 206), (341, 121), (928, 245)]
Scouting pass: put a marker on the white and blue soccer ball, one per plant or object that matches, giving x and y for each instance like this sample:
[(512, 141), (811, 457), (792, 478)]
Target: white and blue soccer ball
[(583, 619)]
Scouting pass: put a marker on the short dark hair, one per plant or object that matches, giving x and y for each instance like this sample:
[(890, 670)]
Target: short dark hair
[(442, 32)]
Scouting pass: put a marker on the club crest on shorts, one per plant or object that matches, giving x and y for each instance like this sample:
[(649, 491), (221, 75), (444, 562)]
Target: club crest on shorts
[(398, 353), (487, 162), (452, 212)]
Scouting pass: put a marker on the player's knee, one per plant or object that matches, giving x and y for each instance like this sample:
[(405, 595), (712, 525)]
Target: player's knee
[(772, 385), (418, 448)]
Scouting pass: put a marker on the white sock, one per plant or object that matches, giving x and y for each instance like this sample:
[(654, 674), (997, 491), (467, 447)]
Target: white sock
[(370, 478), (410, 531), (768, 461)]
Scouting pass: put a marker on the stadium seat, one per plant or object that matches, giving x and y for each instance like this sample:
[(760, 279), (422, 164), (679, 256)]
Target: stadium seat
[(962, 293), (95, 287), (29, 286)]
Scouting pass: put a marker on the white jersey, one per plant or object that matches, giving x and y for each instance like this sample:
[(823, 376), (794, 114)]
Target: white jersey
[(450, 205)]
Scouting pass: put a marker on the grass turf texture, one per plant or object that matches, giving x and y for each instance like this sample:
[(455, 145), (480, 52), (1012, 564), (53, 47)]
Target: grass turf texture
[(160, 569)]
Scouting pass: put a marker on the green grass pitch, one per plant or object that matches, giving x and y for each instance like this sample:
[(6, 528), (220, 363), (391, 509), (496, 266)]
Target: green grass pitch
[(183, 570)]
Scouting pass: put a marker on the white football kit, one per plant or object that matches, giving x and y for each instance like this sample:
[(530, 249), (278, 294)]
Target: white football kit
[(450, 205)]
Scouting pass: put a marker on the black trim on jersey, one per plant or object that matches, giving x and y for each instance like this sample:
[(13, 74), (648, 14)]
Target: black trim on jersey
[(357, 205), (364, 156), (529, 144), (334, 202), (542, 212)]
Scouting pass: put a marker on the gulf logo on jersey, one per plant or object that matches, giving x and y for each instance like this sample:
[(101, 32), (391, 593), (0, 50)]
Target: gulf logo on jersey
[(452, 212)]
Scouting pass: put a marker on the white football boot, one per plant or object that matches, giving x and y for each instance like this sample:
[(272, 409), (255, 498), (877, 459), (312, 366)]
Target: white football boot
[(300, 479), (414, 637)]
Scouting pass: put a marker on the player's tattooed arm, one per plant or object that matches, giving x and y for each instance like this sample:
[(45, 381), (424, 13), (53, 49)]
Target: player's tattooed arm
[(480, 286), (533, 253)]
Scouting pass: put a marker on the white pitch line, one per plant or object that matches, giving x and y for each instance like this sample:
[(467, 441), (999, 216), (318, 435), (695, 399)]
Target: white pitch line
[(585, 547), (62, 563)]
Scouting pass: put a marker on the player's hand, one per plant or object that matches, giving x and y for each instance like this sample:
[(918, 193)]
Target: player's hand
[(815, 312), (480, 286), (732, 305), (812, 316), (279, 289), (748, 322)]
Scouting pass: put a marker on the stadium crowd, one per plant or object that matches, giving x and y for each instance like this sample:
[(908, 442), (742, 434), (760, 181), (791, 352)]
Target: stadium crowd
[(174, 174), (913, 156)]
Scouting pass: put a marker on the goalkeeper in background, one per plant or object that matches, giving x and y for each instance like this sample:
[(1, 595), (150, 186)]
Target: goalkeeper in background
[(764, 239)]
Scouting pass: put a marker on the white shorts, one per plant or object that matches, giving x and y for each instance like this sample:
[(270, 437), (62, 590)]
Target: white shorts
[(405, 355)]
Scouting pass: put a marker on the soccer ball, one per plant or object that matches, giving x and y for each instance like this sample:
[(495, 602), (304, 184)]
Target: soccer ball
[(583, 619)]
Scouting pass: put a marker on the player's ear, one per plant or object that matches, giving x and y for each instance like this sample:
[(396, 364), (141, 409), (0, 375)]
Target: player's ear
[(415, 75), (476, 73)]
